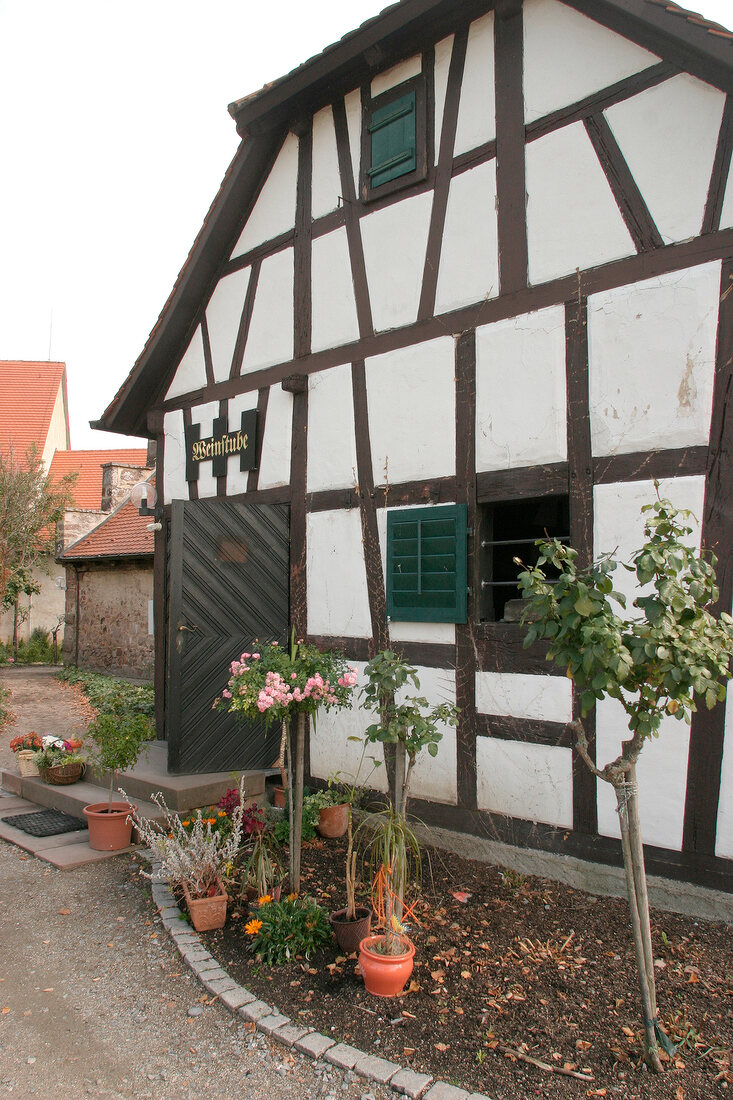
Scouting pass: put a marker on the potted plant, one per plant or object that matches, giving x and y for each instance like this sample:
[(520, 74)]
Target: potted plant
[(194, 854), (58, 762), (25, 746), (333, 812), (118, 740)]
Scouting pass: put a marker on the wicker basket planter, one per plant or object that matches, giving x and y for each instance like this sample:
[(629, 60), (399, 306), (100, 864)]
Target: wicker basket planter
[(61, 775), (207, 913), (27, 762)]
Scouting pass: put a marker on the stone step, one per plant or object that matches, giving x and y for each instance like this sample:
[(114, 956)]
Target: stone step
[(71, 798)]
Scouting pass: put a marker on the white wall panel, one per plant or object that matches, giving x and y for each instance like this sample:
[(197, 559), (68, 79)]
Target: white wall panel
[(331, 436), (668, 136), (191, 372), (338, 603), (724, 836), (175, 486), (533, 782), (274, 211), (334, 306), (204, 415), (331, 751), (352, 103), (270, 337), (398, 74), (277, 440), (469, 258), (223, 315), (572, 217), (515, 358), (568, 56), (661, 774), (411, 399), (326, 178), (443, 52), (652, 361), (477, 108), (434, 778), (395, 239), (236, 478), (545, 698), (434, 633)]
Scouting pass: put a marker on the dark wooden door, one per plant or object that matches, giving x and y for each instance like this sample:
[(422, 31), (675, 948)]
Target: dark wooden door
[(229, 584)]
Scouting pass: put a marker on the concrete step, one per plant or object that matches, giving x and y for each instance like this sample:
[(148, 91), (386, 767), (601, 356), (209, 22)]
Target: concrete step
[(71, 798)]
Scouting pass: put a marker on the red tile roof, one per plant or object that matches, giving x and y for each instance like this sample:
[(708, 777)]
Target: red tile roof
[(28, 394), (695, 18), (87, 489), (124, 534)]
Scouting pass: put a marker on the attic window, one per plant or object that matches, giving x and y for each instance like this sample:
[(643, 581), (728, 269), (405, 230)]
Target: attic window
[(394, 139)]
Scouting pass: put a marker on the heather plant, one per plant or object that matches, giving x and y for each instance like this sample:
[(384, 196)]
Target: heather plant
[(283, 930)]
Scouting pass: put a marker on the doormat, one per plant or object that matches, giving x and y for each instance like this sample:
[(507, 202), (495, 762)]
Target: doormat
[(46, 823)]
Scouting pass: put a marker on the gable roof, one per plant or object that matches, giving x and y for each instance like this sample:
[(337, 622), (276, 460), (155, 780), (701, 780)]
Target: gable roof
[(679, 36), (123, 534), (28, 395), (87, 489)]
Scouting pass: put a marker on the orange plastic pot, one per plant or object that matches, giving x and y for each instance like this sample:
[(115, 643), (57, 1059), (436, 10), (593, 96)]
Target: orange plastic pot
[(109, 832), (385, 975)]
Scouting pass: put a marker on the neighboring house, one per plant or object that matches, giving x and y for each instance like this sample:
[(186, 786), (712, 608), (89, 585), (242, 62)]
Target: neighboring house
[(109, 596), (467, 279)]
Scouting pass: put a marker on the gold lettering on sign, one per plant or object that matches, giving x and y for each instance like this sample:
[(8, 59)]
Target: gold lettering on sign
[(204, 449)]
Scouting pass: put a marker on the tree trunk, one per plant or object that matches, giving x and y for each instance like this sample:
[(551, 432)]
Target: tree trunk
[(400, 768), (287, 778), (15, 629), (296, 834)]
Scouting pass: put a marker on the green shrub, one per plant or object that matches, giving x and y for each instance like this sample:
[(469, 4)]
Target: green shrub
[(281, 930), (110, 695), (281, 823)]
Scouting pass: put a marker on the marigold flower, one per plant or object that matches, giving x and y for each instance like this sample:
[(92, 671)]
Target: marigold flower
[(222, 813), (253, 927), (185, 825), (264, 899), (292, 897)]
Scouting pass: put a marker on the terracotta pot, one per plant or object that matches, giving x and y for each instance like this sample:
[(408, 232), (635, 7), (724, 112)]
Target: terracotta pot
[(278, 797), (333, 820), (350, 933), (207, 913), (26, 762), (385, 975), (109, 832)]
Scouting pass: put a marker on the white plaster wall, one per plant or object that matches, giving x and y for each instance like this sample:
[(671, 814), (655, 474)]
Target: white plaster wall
[(546, 698), (434, 778), (175, 486), (512, 428), (326, 180), (469, 258), (236, 478), (411, 400), (572, 217), (191, 372), (334, 306), (651, 350), (274, 211), (668, 136), (338, 603), (661, 774), (331, 750), (724, 835), (270, 337), (57, 438), (277, 440), (205, 415), (331, 435), (352, 104), (477, 108), (398, 74), (618, 525), (533, 782), (568, 56), (395, 239), (443, 52), (223, 315), (726, 214)]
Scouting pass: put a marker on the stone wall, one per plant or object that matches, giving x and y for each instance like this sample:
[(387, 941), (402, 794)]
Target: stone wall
[(43, 609), (111, 635), (118, 482)]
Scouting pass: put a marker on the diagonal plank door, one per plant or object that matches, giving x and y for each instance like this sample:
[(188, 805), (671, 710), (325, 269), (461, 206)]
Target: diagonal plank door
[(229, 585)]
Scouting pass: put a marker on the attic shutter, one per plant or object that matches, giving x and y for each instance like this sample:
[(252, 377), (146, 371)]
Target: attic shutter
[(393, 140), (426, 564)]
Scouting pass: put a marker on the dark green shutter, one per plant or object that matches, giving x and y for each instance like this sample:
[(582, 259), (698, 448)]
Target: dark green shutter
[(392, 130), (426, 564)]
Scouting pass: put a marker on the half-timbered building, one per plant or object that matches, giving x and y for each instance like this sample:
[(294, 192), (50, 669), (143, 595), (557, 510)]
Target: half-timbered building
[(467, 280)]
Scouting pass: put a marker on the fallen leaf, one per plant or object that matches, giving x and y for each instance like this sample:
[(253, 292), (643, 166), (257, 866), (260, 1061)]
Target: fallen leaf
[(437, 975), (413, 987), (464, 896), (6, 1008), (582, 1044), (679, 1095), (442, 1047), (628, 1031), (64, 912), (49, 990), (466, 974), (408, 1051)]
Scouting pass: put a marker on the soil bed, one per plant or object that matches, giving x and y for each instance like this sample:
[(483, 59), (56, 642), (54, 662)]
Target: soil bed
[(524, 965)]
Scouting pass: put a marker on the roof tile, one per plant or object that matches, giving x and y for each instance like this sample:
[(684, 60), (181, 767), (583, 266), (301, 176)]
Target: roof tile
[(87, 489), (28, 394), (123, 534)]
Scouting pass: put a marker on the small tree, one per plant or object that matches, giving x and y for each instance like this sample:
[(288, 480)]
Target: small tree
[(659, 663)]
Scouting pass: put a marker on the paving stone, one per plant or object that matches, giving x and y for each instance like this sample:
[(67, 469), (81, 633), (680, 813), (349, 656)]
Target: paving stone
[(212, 973), (410, 1083), (289, 1034), (235, 998), (376, 1069), (197, 955), (180, 927), (443, 1091), (185, 941), (271, 1023), (220, 985), (344, 1056), (314, 1044), (255, 1010), (170, 912)]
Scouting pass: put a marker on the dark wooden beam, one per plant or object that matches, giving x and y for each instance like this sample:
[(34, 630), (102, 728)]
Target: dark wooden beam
[(465, 632), (528, 731), (500, 648), (208, 363), (650, 465), (245, 320), (550, 479), (510, 164), (629, 199), (302, 305), (253, 476), (353, 230), (367, 510), (721, 171), (298, 547)]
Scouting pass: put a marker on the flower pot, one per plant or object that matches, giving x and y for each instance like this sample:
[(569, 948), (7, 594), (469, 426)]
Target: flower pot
[(60, 775), (207, 913), (278, 797), (26, 762), (333, 820), (385, 975), (350, 933), (109, 832)]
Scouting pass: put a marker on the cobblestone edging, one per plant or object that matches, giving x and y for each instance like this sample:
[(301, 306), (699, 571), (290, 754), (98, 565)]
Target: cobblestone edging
[(271, 1022)]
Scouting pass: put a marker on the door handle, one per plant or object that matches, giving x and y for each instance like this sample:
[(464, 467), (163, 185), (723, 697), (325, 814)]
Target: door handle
[(190, 629)]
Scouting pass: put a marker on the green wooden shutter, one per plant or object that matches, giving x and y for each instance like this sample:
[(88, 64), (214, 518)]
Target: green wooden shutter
[(393, 141), (426, 564)]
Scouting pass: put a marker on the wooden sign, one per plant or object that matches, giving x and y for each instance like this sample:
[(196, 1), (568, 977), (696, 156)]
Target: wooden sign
[(221, 446)]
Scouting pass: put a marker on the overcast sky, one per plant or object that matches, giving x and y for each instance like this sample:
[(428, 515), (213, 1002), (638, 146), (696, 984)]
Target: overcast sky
[(115, 136)]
